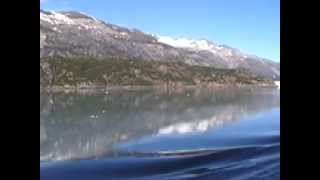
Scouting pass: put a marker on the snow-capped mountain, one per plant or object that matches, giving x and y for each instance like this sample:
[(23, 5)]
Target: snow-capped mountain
[(72, 34), (232, 56), (203, 45)]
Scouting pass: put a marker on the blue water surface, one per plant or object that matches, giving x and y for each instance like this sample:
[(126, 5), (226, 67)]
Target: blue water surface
[(193, 134)]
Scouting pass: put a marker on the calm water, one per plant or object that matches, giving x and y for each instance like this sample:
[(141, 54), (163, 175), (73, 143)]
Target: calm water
[(148, 134)]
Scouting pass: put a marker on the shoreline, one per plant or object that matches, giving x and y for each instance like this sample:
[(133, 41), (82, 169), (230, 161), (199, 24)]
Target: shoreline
[(150, 87)]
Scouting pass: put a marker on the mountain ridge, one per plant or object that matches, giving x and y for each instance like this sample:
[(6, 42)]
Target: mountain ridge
[(72, 34)]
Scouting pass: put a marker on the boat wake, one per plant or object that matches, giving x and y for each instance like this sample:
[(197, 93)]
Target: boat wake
[(242, 162)]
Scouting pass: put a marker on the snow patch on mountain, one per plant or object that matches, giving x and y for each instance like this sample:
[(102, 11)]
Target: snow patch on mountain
[(188, 43), (55, 18), (223, 51)]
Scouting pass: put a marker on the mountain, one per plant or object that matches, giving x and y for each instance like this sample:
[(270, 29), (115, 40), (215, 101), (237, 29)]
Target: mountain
[(232, 57), (71, 34)]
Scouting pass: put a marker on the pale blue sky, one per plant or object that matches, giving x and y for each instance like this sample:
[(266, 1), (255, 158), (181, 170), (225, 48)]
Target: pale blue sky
[(252, 26)]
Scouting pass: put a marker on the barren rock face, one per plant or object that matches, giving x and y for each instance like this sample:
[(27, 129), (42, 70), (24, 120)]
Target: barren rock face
[(73, 34)]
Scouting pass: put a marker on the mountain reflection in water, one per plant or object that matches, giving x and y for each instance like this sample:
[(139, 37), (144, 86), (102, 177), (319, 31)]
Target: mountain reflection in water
[(74, 126)]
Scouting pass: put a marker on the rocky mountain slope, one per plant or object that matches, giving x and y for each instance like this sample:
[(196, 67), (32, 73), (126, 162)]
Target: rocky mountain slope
[(90, 72), (69, 34)]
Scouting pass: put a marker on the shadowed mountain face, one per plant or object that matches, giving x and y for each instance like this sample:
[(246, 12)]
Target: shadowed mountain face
[(102, 73), (80, 126), (73, 34)]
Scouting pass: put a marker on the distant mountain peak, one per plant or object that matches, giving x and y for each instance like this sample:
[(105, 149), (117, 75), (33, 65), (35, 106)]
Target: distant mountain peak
[(77, 15)]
